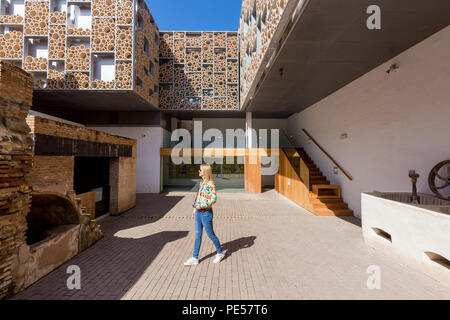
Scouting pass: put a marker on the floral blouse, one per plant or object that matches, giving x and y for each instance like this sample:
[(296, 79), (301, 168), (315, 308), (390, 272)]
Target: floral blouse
[(206, 195)]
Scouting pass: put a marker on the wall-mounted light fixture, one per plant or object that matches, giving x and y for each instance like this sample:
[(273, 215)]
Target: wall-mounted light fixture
[(394, 67)]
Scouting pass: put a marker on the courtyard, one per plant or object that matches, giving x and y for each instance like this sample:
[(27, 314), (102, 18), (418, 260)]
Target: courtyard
[(274, 250)]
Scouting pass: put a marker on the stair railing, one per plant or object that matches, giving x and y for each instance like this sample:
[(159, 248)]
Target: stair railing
[(328, 155)]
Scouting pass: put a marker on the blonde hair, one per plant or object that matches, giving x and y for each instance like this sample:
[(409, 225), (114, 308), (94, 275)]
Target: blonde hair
[(207, 171)]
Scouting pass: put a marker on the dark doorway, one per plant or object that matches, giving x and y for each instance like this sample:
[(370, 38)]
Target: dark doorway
[(92, 174)]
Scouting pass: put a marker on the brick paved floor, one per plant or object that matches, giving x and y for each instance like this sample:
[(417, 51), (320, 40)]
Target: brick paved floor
[(274, 250)]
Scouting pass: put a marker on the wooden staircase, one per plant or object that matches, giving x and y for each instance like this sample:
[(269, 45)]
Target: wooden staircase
[(325, 198)]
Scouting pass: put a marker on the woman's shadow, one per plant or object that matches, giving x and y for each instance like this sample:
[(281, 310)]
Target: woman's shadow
[(232, 246)]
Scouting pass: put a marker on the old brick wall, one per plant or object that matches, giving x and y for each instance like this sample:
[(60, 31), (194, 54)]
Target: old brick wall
[(123, 184), (122, 173), (15, 164), (53, 170)]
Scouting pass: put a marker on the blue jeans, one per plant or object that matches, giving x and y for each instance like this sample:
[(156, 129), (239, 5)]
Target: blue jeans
[(204, 219)]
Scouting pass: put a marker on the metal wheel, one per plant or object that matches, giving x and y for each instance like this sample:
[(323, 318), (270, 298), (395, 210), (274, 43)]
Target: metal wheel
[(439, 180)]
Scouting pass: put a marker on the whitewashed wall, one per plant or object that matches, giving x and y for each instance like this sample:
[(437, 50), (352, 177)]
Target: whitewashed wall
[(395, 122), (149, 140)]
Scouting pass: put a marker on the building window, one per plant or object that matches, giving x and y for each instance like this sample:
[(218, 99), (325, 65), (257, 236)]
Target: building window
[(152, 68), (146, 47), (138, 82)]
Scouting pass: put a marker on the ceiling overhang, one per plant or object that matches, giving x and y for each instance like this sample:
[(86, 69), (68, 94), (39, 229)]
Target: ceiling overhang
[(90, 100), (330, 46)]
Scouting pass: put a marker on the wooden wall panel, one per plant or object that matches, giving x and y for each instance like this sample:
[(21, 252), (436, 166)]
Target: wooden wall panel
[(88, 201), (252, 171), (289, 184)]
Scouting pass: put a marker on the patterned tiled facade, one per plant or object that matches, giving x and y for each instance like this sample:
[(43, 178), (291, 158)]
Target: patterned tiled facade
[(171, 70), (258, 22), (62, 42), (199, 70)]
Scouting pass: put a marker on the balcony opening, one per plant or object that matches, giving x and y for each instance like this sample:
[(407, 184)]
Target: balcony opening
[(79, 17), (382, 234), (10, 28), (36, 47), (58, 6), (438, 259), (39, 79), (36, 54), (56, 65), (103, 67), (12, 8)]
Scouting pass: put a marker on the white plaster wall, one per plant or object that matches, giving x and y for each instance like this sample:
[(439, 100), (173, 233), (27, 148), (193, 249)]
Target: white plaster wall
[(414, 231), (149, 141), (394, 123)]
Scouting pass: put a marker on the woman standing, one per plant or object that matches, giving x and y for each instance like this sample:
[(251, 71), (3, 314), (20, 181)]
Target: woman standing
[(203, 214)]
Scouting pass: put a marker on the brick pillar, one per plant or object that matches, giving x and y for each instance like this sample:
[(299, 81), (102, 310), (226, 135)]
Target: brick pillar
[(16, 92)]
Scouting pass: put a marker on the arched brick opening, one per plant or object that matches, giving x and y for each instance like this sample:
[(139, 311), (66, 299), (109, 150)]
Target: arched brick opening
[(48, 212)]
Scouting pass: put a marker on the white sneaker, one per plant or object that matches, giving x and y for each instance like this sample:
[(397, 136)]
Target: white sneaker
[(191, 261), (218, 257)]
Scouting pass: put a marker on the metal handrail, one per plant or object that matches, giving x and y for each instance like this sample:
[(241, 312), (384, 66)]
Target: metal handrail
[(328, 155)]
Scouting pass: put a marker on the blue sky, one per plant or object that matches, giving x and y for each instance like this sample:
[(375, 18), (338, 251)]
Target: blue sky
[(196, 15)]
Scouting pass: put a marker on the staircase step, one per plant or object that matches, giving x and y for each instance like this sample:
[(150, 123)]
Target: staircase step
[(331, 206), (317, 178), (326, 190), (323, 197), (318, 182), (335, 212), (324, 200)]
